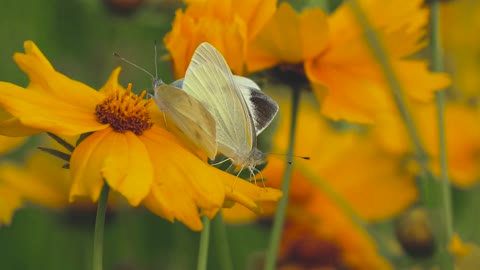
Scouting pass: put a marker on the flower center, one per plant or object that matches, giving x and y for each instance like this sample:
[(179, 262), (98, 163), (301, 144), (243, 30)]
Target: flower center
[(125, 111)]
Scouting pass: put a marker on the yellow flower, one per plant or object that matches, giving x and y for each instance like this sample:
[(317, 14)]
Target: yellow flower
[(339, 242), (127, 148), (315, 222), (376, 183), (462, 138), (227, 25), (334, 55)]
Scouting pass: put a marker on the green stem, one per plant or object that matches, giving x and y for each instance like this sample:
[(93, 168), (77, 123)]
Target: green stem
[(204, 242), (419, 151), (437, 66), (280, 214), (221, 243), (99, 228)]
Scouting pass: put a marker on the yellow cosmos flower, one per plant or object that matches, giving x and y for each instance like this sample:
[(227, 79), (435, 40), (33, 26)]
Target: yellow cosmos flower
[(462, 139), (333, 53), (316, 222), (376, 183), (41, 181), (127, 149), (227, 25)]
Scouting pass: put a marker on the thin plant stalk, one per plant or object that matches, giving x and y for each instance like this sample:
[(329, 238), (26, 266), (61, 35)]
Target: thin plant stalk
[(420, 153), (221, 242), (99, 229), (280, 214), (426, 183), (437, 66), (204, 243)]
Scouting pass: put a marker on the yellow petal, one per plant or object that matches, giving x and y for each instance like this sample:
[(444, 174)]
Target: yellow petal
[(353, 92), (40, 111), (256, 13), (248, 194), (119, 158), (85, 166), (349, 73), (229, 39), (289, 37), (238, 214), (126, 166), (10, 200), (37, 187), (112, 82), (183, 183), (11, 126), (331, 152), (45, 79)]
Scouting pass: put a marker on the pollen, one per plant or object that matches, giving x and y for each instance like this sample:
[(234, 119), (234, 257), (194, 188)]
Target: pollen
[(125, 111)]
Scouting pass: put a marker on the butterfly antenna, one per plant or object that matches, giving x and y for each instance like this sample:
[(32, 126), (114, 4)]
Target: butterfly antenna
[(156, 55), (295, 156), (135, 65)]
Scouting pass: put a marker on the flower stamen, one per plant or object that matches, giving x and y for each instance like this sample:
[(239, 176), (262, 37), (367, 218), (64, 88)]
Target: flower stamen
[(125, 111)]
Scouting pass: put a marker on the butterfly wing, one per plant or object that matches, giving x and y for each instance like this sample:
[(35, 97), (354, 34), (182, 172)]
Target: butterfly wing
[(209, 79), (262, 107), (190, 116)]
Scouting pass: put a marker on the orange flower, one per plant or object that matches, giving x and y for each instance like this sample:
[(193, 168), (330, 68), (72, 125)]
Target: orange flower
[(227, 25), (128, 149), (462, 139), (344, 73)]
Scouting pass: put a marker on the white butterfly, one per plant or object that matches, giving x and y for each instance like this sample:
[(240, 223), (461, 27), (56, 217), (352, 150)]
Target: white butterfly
[(239, 107)]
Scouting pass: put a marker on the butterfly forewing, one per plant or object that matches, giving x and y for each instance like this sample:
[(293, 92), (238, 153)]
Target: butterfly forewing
[(209, 80)]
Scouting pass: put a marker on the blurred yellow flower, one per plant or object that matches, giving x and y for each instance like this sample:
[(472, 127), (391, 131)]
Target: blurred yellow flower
[(331, 50), (127, 149), (226, 24), (462, 138), (41, 181), (322, 226), (376, 183)]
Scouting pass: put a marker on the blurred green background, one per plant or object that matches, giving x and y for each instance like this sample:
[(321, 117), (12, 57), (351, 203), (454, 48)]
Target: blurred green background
[(79, 38)]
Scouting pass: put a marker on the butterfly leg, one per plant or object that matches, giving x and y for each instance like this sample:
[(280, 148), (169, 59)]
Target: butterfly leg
[(238, 174)]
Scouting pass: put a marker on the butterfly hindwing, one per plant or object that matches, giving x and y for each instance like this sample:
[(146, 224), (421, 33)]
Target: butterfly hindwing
[(262, 107), (190, 116)]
